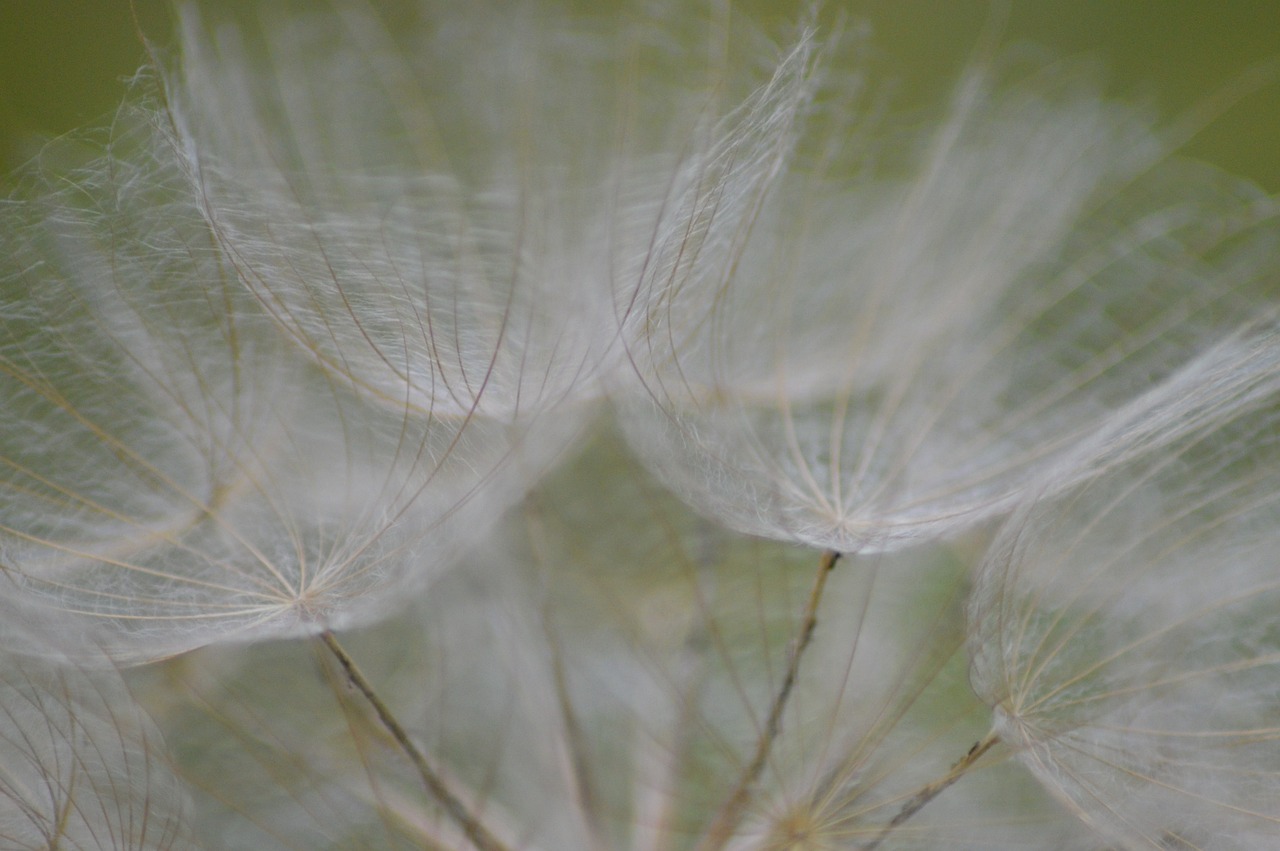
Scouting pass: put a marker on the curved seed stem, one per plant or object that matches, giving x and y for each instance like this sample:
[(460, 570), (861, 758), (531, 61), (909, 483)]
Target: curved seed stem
[(474, 829), (933, 790), (734, 808)]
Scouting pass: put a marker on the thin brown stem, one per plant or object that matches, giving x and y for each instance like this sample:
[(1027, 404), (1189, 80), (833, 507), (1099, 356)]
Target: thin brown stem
[(454, 808), (584, 786), (932, 790), (734, 808)]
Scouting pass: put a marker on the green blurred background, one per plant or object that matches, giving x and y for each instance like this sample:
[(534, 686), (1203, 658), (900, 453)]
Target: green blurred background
[(62, 61)]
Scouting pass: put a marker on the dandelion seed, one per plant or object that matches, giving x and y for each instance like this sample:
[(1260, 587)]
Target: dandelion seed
[(81, 766), (638, 694), (895, 358), (1123, 629), (232, 492), (344, 284), (473, 249), (167, 469)]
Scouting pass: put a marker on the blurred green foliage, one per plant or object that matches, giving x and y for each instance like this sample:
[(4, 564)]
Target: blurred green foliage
[(62, 61)]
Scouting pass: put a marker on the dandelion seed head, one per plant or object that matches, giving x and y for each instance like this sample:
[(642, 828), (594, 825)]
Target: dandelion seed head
[(294, 344)]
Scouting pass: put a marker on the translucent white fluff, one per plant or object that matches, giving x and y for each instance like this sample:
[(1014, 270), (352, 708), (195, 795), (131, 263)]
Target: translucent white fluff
[(168, 469), (632, 669), (1124, 630), (81, 766), (896, 355), (461, 213)]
